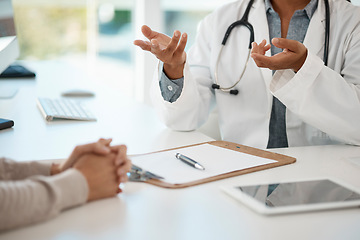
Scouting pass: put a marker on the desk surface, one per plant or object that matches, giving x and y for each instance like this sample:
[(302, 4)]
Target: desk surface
[(119, 117), (204, 212), (144, 211)]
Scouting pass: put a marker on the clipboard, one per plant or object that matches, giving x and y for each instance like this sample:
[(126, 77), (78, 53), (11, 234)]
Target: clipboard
[(280, 160)]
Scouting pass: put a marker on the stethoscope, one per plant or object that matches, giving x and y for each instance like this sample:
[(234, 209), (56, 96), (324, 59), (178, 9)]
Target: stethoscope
[(244, 22)]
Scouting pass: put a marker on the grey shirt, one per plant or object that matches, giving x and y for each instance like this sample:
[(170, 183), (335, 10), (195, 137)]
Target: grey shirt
[(171, 89), (297, 30)]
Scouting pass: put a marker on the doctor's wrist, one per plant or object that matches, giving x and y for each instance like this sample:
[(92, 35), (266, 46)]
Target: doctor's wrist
[(301, 61), (174, 71)]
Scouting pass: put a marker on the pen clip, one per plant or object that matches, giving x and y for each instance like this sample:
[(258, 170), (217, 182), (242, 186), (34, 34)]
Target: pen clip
[(137, 174)]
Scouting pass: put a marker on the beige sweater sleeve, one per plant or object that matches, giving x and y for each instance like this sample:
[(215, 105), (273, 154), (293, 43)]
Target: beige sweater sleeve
[(12, 170), (38, 198)]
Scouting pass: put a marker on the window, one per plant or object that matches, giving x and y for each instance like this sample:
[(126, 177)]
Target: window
[(92, 34), (185, 15), (47, 31), (113, 44)]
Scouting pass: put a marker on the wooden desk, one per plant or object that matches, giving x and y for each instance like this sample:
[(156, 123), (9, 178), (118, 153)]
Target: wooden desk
[(202, 212)]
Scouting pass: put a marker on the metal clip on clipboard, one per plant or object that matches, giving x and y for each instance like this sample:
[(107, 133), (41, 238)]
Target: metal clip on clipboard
[(137, 174)]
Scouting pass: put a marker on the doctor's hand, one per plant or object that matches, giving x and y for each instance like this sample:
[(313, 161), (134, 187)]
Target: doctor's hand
[(292, 57), (169, 50)]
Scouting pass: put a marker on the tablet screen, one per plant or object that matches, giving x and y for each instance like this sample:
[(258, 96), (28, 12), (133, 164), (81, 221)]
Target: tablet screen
[(300, 193)]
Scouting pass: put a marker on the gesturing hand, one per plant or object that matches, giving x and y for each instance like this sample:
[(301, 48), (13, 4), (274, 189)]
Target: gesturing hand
[(166, 49), (292, 57)]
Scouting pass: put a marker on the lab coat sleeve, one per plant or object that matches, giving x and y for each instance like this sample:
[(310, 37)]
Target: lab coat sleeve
[(324, 98), (192, 107)]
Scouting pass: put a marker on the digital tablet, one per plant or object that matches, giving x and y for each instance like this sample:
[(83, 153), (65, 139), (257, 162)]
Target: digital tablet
[(300, 196)]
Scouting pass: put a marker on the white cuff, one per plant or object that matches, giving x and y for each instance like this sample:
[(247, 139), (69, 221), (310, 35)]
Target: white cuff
[(72, 188), (285, 82)]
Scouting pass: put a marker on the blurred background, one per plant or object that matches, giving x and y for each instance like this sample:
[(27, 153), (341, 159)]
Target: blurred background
[(98, 35)]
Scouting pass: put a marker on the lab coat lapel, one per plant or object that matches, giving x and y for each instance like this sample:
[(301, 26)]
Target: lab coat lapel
[(315, 35), (258, 19)]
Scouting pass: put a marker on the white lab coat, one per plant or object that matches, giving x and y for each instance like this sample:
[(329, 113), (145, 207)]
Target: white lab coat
[(323, 103)]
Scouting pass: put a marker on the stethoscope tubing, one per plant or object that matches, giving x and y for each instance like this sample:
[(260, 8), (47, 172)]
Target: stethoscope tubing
[(227, 89), (244, 22)]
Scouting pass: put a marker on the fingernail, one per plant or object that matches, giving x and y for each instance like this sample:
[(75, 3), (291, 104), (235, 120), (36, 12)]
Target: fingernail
[(184, 35), (176, 34), (276, 40)]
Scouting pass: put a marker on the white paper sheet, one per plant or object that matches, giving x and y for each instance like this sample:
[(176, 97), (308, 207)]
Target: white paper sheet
[(216, 160)]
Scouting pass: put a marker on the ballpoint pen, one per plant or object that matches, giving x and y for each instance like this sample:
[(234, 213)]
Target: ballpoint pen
[(189, 161)]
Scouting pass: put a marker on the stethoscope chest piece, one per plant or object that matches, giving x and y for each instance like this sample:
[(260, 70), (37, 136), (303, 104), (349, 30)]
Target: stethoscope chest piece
[(231, 91)]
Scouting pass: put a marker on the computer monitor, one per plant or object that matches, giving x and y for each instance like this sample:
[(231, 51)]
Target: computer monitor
[(9, 47)]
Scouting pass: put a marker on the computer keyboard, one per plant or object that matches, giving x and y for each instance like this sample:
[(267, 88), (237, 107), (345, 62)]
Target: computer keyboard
[(64, 109)]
